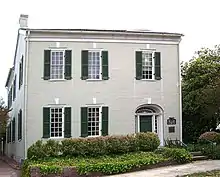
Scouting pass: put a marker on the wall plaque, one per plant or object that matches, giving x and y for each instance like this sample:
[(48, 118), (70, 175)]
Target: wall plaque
[(171, 121)]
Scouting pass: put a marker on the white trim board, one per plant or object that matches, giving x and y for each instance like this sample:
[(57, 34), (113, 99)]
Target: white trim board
[(102, 41)]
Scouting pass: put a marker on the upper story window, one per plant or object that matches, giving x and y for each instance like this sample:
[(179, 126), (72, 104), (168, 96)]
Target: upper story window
[(10, 97), (14, 88), (21, 72), (148, 65), (57, 65), (94, 65)]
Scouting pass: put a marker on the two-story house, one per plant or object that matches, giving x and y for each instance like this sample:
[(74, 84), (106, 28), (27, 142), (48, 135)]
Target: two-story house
[(83, 83)]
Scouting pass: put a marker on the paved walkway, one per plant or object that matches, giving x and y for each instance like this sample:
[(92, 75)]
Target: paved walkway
[(7, 171), (173, 171)]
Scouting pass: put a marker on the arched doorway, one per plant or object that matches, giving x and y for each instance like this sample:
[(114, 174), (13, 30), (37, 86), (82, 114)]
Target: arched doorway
[(149, 118)]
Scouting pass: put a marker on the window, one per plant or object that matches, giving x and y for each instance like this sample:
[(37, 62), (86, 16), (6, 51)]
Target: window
[(94, 121), (14, 89), (57, 65), (171, 129), (94, 65), (147, 65), (21, 72), (20, 125), (13, 130), (56, 122), (10, 97)]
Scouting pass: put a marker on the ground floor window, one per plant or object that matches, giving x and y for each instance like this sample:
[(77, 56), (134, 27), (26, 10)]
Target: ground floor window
[(56, 122), (94, 121)]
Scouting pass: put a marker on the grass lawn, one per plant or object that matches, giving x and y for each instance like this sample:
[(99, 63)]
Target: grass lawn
[(214, 173)]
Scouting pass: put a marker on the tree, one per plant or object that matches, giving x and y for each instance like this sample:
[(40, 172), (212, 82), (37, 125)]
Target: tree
[(200, 92), (3, 117)]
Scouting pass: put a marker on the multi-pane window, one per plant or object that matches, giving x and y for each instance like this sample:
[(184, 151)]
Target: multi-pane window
[(94, 65), (57, 65), (147, 65), (56, 122), (10, 97), (94, 121)]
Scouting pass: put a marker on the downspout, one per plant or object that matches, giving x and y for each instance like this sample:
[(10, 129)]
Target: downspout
[(25, 91), (180, 96)]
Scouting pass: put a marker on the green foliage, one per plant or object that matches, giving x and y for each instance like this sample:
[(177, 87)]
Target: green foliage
[(121, 164), (42, 150), (94, 147), (179, 155), (147, 141), (212, 151), (105, 164), (200, 93)]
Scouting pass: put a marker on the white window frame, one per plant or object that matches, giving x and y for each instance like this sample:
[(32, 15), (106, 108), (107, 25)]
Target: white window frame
[(57, 107), (153, 63), (100, 119), (63, 74), (100, 61)]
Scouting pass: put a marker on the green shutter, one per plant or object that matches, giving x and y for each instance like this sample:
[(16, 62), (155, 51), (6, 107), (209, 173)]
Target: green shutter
[(22, 68), (84, 122), (104, 121), (46, 122), (68, 64), (138, 65), (13, 130), (9, 132), (157, 66), (47, 64), (20, 125), (67, 122), (19, 76), (105, 75), (84, 64)]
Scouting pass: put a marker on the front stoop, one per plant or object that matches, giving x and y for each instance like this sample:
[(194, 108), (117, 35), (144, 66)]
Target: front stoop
[(198, 156)]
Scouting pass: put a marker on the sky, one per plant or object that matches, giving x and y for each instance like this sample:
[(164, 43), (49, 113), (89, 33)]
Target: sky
[(198, 20)]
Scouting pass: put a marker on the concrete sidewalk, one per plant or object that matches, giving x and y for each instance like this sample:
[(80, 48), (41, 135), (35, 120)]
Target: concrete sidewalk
[(7, 171), (173, 171)]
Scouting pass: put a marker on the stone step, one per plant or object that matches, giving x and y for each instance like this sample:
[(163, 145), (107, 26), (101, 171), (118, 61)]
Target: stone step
[(197, 153), (195, 158)]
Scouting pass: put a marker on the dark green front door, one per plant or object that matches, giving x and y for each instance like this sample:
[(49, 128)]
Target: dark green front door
[(145, 123)]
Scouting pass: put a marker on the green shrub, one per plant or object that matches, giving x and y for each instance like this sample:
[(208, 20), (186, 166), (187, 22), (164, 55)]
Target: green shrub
[(210, 136), (85, 165), (93, 147), (176, 154), (147, 141), (41, 150), (212, 151)]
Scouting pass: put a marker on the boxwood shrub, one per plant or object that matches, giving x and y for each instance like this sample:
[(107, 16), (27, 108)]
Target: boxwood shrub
[(104, 145), (179, 155)]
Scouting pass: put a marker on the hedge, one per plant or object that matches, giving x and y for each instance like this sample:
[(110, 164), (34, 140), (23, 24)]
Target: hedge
[(93, 147), (103, 164), (179, 155)]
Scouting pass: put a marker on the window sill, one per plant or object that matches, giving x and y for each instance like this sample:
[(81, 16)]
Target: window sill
[(151, 80), (56, 80), (93, 80)]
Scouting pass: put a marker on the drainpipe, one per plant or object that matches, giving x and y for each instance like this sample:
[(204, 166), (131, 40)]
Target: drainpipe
[(180, 96), (25, 91)]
